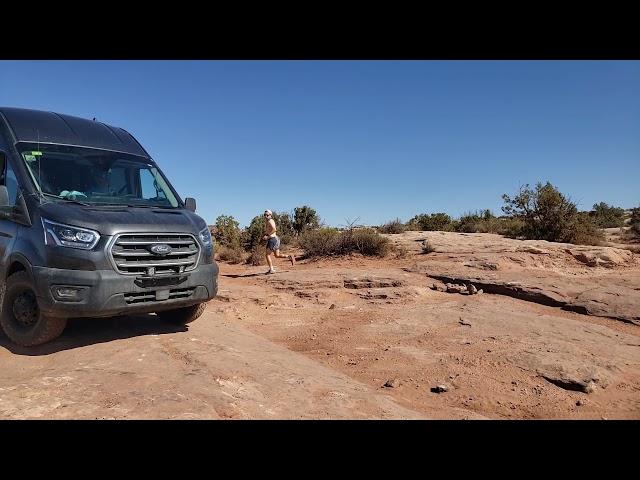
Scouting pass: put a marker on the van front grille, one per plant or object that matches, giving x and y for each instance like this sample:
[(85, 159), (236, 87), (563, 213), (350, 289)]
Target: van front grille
[(132, 253)]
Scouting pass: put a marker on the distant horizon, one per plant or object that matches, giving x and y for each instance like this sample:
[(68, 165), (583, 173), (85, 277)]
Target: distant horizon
[(403, 220), (377, 140)]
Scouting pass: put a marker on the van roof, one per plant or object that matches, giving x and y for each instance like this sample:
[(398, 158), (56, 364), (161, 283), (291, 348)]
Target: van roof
[(50, 127)]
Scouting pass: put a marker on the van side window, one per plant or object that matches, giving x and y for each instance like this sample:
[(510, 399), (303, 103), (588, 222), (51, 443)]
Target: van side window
[(8, 178)]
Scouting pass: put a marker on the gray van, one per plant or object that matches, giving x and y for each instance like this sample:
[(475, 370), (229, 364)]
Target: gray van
[(91, 227)]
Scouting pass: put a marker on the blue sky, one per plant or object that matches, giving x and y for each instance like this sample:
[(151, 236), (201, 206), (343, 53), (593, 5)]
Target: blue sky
[(368, 139)]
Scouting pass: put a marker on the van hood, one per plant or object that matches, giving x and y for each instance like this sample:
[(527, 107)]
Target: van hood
[(111, 220)]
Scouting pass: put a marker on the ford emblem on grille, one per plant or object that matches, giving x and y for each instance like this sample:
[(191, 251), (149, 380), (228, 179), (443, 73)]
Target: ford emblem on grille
[(160, 248)]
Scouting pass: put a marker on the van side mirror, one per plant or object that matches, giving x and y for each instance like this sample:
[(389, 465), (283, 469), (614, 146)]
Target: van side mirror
[(189, 204), (4, 196)]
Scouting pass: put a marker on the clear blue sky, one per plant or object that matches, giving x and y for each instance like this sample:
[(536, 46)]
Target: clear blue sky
[(375, 140)]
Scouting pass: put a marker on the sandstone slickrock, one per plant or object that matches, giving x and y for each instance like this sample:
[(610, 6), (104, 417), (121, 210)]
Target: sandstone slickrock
[(601, 257)]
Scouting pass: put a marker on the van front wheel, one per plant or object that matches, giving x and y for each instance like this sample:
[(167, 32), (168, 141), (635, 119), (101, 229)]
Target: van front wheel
[(21, 318), (182, 316)]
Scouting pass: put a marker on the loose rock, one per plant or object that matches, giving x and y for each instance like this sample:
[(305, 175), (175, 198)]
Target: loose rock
[(440, 389), (453, 288), (569, 382)]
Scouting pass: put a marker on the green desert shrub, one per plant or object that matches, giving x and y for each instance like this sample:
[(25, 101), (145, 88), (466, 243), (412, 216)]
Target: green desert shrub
[(431, 222), (607, 216), (546, 214), (226, 231)]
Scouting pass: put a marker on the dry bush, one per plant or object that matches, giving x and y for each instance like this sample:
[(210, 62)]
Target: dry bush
[(369, 242), (474, 223), (427, 247), (401, 251), (329, 241), (393, 226), (231, 255), (320, 243), (257, 256), (412, 226)]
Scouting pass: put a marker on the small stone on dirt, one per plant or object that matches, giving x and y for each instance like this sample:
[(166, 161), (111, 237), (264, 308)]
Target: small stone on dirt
[(333, 305), (590, 387), (453, 288), (393, 383), (440, 389)]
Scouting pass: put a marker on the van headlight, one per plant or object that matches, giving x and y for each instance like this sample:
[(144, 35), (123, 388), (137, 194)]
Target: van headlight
[(69, 236), (205, 237)]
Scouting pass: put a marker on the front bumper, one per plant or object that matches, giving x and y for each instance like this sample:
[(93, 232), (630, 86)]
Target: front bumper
[(106, 293)]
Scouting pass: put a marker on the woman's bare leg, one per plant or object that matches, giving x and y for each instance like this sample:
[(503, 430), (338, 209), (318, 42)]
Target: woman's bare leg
[(291, 258), (269, 261)]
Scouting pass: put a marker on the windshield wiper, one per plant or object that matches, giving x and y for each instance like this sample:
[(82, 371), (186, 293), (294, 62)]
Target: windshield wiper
[(45, 194), (103, 204), (135, 205)]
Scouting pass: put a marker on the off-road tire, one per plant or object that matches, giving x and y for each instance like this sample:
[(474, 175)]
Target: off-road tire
[(184, 315), (39, 328)]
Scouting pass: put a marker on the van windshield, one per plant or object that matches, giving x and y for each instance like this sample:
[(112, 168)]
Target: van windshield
[(96, 176)]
